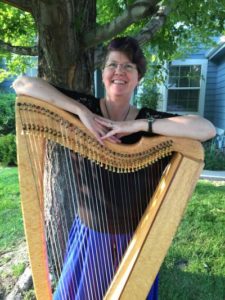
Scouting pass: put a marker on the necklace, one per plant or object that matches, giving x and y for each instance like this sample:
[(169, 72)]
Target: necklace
[(108, 115)]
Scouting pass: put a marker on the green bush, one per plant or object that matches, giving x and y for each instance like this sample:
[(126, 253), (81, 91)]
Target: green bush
[(149, 97), (148, 94), (7, 115), (8, 150), (214, 157)]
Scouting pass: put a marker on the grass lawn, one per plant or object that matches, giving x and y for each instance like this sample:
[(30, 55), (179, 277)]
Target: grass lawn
[(194, 268), (11, 224)]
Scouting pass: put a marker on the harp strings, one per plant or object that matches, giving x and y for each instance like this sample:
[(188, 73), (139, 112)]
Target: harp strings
[(58, 230), (92, 197), (81, 179), (85, 191), (72, 195)]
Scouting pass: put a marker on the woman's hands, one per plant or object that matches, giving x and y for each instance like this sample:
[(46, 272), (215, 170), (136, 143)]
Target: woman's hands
[(97, 127), (114, 130), (194, 127)]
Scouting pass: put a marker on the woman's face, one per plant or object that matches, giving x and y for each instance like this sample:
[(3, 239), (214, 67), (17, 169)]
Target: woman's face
[(120, 75)]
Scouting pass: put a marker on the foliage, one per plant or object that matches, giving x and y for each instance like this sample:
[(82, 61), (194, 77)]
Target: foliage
[(107, 11), (214, 157), (30, 295), (7, 116), (18, 29), (189, 24), (8, 150), (16, 64), (17, 26), (18, 269), (194, 266), (149, 96)]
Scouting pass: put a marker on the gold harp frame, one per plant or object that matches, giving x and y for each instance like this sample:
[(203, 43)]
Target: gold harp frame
[(159, 223)]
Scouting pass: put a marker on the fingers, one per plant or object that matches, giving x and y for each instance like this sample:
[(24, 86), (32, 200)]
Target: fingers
[(102, 129), (110, 134), (112, 139), (104, 122), (98, 138), (118, 129), (101, 133)]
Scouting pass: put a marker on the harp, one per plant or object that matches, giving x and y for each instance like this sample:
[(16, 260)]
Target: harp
[(177, 162)]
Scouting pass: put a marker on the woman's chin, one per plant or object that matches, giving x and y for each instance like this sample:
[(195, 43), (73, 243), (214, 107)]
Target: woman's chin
[(119, 90)]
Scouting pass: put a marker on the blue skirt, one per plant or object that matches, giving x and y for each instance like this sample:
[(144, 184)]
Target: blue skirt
[(90, 264)]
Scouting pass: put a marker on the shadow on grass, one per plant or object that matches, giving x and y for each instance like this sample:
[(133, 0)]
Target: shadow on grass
[(176, 284)]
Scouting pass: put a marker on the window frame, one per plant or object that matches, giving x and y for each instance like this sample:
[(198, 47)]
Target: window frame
[(202, 89)]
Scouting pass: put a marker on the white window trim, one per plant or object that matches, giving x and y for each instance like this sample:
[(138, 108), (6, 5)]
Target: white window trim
[(204, 65)]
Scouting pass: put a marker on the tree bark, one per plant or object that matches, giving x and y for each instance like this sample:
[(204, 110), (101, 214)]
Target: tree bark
[(63, 60)]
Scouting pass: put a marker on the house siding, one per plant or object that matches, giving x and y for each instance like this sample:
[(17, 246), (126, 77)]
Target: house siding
[(210, 91), (219, 103), (199, 55), (214, 107)]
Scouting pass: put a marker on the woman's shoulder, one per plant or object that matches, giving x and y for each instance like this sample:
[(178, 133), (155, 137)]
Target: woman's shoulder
[(90, 101), (76, 95)]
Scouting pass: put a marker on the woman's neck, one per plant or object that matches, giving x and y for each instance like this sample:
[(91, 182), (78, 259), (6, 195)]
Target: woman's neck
[(116, 110)]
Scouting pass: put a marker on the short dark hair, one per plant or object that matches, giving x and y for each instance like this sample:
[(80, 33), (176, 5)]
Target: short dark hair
[(130, 47)]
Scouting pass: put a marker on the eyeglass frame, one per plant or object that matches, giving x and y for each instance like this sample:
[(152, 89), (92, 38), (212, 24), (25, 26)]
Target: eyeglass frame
[(126, 67)]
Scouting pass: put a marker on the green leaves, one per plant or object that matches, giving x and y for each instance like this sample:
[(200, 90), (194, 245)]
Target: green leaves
[(7, 115), (16, 29), (16, 26), (188, 24)]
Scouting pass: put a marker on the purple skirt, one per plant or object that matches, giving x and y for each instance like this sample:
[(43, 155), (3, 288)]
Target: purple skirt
[(90, 264)]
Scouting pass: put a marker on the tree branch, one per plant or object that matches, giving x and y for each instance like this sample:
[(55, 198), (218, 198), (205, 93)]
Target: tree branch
[(154, 25), (32, 51), (138, 10), (21, 4), (146, 34)]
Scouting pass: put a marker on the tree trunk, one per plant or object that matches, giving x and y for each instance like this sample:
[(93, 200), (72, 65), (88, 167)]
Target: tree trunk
[(61, 26), (64, 62)]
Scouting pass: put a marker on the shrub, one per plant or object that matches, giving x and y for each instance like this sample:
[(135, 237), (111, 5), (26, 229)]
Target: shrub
[(148, 94), (8, 150), (214, 157), (149, 97), (7, 116)]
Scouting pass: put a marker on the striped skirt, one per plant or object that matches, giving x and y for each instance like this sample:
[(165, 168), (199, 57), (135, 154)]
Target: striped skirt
[(90, 264)]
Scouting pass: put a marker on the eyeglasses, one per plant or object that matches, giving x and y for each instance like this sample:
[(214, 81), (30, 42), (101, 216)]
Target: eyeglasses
[(127, 67)]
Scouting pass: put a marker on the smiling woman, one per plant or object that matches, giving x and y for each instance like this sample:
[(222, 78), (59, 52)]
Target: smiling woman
[(120, 77), (111, 118), (124, 66)]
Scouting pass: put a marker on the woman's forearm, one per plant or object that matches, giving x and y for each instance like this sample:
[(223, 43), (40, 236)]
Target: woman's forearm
[(190, 126), (193, 127), (39, 88)]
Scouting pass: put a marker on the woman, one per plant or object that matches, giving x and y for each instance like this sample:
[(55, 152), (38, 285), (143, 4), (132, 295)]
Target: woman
[(110, 118)]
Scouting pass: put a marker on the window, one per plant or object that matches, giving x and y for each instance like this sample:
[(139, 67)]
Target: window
[(186, 86)]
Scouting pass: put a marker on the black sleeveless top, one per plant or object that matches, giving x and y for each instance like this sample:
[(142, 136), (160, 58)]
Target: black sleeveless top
[(104, 197), (93, 104)]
